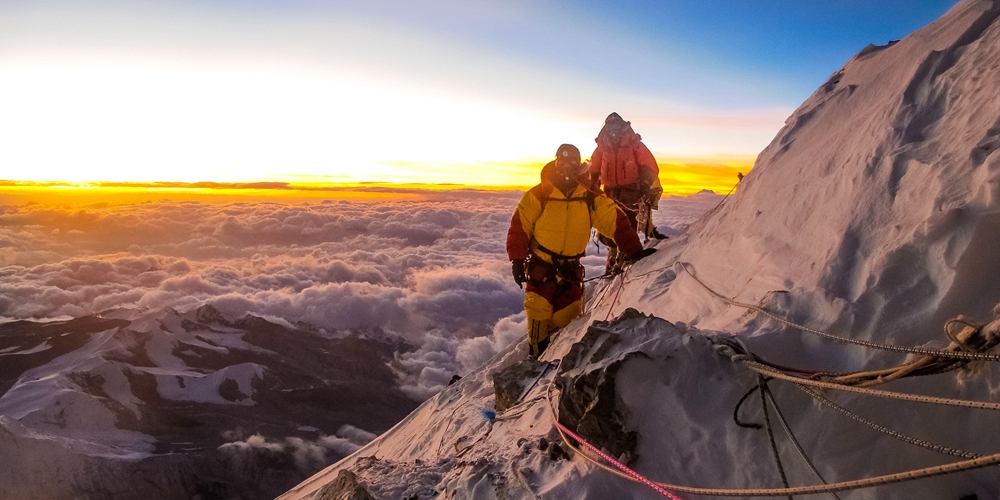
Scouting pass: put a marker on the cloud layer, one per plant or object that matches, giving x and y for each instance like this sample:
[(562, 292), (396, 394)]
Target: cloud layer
[(434, 272)]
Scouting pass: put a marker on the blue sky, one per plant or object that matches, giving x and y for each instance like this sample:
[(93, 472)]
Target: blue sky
[(227, 90)]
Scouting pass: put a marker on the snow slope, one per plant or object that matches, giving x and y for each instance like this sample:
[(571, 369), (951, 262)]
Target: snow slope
[(874, 214)]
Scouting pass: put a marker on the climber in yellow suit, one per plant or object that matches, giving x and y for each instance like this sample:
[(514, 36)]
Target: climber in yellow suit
[(548, 235)]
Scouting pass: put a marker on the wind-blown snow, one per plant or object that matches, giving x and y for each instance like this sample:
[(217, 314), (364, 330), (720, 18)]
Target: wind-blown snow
[(874, 214)]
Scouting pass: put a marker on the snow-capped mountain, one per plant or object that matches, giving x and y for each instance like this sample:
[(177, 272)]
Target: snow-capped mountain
[(874, 215), (160, 404)]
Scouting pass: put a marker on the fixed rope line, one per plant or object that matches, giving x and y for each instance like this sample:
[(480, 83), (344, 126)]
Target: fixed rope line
[(767, 397), (621, 286), (603, 293), (899, 477), (788, 431), (978, 356), (625, 470), (885, 430), (766, 370), (629, 472), (820, 398), (770, 432), (724, 198)]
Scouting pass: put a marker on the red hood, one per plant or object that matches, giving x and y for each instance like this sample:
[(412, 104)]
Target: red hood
[(629, 137)]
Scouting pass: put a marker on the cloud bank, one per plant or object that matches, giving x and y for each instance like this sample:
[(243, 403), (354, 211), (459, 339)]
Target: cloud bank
[(433, 272)]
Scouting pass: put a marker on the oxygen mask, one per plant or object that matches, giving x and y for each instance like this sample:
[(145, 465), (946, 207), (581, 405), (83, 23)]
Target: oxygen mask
[(567, 172)]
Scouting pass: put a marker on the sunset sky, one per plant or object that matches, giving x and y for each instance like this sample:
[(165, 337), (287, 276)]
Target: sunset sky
[(471, 93)]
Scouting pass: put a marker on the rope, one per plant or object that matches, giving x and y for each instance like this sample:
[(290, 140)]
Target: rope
[(791, 436), (621, 286), (770, 432), (601, 277), (631, 474), (899, 477), (767, 396), (525, 406), (766, 370), (885, 430), (979, 356), (739, 404), (710, 212)]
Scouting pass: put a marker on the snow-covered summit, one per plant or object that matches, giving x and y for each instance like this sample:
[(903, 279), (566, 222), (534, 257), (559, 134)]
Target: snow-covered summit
[(877, 201), (874, 214)]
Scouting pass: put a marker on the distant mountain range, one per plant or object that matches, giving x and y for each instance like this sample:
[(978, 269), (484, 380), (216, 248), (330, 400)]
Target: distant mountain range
[(162, 404)]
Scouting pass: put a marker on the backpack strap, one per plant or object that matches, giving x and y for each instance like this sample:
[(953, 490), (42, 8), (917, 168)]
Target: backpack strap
[(543, 197)]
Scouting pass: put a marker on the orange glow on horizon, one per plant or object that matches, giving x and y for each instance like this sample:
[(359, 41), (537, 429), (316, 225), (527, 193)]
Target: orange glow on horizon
[(679, 177), (685, 176)]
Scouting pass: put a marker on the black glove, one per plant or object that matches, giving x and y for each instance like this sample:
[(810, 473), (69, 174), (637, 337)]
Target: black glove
[(517, 269), (646, 252)]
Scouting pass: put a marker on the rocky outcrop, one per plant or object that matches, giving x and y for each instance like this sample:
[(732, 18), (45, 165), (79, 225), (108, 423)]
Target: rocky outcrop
[(345, 487), (589, 404), (510, 383)]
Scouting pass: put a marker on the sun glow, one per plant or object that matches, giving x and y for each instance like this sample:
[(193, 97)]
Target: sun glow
[(112, 122), (718, 173), (145, 124)]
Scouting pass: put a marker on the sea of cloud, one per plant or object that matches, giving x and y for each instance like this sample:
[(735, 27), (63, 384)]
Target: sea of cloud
[(432, 271)]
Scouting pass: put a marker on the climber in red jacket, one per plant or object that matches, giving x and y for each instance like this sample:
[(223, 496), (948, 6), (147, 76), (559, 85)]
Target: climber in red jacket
[(630, 176)]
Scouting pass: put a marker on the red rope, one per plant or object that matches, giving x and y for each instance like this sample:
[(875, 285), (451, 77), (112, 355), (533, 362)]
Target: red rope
[(633, 474)]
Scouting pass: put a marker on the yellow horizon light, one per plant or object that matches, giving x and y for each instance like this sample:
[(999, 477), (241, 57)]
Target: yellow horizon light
[(402, 181)]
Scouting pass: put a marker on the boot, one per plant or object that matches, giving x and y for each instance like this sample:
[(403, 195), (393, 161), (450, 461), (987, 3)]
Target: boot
[(538, 337)]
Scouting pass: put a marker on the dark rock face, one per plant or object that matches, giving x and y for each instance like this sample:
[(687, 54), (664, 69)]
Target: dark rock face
[(345, 487), (241, 409), (510, 383), (588, 403)]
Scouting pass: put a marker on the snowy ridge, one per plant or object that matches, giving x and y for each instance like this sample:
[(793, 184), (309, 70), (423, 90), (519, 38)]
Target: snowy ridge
[(874, 214)]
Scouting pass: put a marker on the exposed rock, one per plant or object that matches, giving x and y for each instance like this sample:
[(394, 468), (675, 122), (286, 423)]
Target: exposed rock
[(209, 315), (588, 403), (345, 487), (510, 383)]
